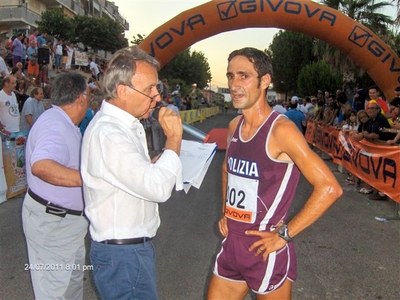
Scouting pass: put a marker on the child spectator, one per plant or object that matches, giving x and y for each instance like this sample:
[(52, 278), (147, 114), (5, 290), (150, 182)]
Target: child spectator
[(350, 126)]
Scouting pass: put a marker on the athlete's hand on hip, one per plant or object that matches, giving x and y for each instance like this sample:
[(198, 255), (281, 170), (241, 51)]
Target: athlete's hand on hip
[(269, 242)]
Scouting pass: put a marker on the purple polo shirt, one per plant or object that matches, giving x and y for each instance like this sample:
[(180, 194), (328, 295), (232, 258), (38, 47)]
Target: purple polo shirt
[(54, 136), (17, 51)]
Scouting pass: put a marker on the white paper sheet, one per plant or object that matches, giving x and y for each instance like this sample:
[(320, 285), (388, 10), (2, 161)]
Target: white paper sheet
[(196, 157)]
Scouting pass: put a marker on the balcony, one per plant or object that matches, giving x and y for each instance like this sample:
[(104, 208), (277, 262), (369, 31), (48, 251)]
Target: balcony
[(112, 11), (17, 17), (72, 5)]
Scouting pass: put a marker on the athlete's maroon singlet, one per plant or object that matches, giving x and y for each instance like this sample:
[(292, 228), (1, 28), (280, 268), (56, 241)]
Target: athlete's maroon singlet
[(259, 194)]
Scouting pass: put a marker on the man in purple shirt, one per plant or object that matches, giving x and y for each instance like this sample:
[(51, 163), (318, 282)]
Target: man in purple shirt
[(17, 49), (52, 212)]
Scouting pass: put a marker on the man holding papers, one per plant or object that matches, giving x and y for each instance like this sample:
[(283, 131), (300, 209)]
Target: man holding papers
[(265, 156), (122, 187)]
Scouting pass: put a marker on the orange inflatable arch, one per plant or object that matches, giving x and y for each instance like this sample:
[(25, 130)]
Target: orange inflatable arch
[(324, 23)]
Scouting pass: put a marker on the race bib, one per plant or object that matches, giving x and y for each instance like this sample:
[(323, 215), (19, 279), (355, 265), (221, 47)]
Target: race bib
[(241, 199)]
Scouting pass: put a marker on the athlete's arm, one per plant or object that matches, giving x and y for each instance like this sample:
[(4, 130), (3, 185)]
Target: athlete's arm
[(223, 227), (287, 143), (326, 189)]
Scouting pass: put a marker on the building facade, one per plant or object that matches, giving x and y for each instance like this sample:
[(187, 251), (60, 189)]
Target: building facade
[(21, 15)]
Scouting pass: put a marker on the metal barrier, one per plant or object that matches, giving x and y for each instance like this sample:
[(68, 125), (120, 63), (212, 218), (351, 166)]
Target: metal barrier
[(198, 115)]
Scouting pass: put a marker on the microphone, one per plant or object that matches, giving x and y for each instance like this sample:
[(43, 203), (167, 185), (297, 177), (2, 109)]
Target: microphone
[(192, 131)]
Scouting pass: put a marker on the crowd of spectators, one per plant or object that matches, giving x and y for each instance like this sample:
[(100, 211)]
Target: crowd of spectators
[(27, 73), (365, 117)]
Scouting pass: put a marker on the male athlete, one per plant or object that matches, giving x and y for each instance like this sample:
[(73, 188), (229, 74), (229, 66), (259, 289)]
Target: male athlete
[(266, 155)]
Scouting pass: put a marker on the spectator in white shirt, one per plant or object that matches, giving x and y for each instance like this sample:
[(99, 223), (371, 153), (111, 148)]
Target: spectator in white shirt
[(94, 68), (300, 105), (122, 186), (279, 107), (3, 66), (9, 111)]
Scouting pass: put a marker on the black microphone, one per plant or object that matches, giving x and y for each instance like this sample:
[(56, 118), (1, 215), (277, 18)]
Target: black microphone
[(193, 131)]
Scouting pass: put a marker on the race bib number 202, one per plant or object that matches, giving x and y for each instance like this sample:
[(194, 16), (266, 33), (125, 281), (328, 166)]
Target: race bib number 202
[(241, 199)]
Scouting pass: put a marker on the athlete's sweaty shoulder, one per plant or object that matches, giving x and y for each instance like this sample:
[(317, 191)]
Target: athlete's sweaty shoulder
[(284, 138)]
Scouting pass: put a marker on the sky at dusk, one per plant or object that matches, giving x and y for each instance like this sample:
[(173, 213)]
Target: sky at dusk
[(144, 16)]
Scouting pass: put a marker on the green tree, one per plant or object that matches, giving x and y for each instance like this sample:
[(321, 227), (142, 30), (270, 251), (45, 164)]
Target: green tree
[(99, 33), (397, 3), (96, 33), (192, 67), (395, 45), (366, 12), (57, 24), (290, 51), (185, 68), (315, 76)]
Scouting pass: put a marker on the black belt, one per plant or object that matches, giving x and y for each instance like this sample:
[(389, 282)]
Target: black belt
[(133, 241), (54, 209)]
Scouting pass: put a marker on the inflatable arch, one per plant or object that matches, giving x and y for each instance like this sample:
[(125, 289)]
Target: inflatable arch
[(324, 23)]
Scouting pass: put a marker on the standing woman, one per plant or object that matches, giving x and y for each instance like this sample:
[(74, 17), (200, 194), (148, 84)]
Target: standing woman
[(25, 45), (362, 119), (64, 55), (51, 55), (349, 127)]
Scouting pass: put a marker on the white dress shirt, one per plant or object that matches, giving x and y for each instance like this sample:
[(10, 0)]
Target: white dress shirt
[(122, 188)]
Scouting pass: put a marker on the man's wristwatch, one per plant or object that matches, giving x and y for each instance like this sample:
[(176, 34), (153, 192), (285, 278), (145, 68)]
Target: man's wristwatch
[(283, 232)]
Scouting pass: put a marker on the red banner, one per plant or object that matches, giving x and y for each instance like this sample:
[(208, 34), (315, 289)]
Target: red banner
[(377, 165)]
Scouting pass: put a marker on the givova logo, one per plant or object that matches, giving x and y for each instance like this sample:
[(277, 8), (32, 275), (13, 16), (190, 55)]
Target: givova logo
[(359, 36), (227, 10)]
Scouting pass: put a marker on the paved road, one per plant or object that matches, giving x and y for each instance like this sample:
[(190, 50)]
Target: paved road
[(346, 255)]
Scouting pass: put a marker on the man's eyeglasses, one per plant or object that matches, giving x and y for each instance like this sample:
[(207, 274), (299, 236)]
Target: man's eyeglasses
[(151, 98), (373, 107)]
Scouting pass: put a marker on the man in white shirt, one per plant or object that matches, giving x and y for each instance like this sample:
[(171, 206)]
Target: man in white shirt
[(95, 69), (300, 105), (32, 109), (122, 186), (309, 107), (9, 112), (57, 49), (279, 107), (3, 66), (71, 49)]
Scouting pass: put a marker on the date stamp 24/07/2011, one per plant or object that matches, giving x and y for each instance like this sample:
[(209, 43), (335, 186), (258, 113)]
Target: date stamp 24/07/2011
[(57, 267)]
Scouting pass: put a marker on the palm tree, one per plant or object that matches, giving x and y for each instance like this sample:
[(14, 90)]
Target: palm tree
[(398, 11), (366, 12)]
